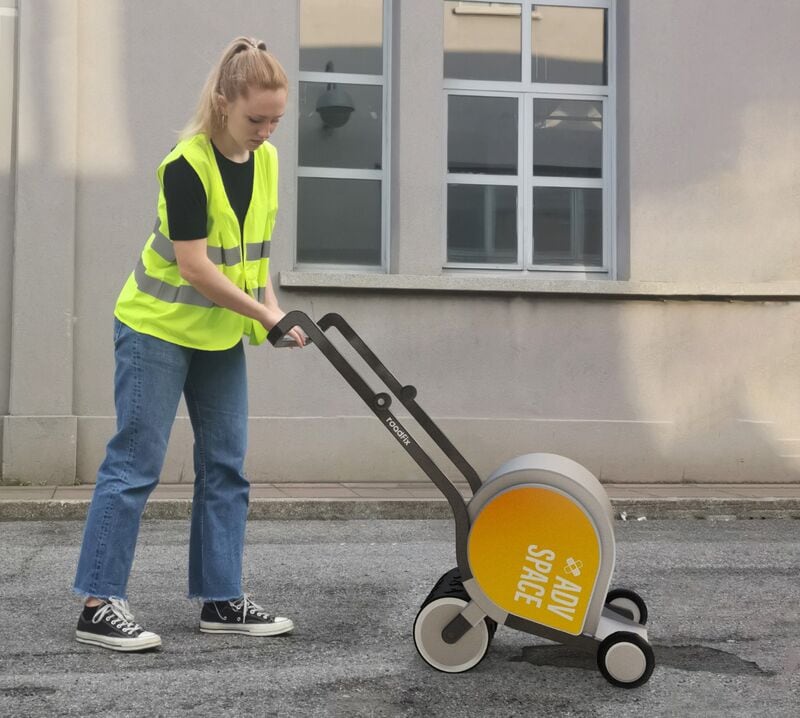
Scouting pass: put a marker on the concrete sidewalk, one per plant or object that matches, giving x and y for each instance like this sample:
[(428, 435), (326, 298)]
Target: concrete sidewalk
[(413, 500)]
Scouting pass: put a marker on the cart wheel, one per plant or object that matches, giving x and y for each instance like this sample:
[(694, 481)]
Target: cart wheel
[(625, 659), (449, 585), (456, 657), (630, 603)]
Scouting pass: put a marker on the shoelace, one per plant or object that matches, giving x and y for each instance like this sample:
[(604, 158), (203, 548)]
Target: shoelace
[(249, 607), (121, 617)]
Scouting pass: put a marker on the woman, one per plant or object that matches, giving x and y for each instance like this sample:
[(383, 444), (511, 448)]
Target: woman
[(201, 284)]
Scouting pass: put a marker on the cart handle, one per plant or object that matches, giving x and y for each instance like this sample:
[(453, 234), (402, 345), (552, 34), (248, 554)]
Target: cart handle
[(379, 405), (407, 396)]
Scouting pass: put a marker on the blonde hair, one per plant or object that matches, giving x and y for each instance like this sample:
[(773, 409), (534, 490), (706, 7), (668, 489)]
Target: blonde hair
[(244, 64)]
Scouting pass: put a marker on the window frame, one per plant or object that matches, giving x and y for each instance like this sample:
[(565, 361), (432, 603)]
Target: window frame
[(457, 178), (383, 175), (527, 92)]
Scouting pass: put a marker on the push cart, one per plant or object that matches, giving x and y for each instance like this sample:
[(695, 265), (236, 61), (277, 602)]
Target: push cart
[(535, 545)]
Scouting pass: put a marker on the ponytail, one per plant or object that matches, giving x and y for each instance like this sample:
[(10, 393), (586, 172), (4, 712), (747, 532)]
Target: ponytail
[(244, 64)]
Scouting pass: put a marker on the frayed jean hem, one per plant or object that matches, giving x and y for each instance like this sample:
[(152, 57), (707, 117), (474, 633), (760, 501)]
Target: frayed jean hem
[(84, 595), (196, 598)]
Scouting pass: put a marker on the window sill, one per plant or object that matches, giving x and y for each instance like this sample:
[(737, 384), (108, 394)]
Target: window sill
[(721, 291)]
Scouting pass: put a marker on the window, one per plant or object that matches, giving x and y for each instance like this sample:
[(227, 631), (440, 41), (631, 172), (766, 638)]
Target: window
[(342, 192), (529, 110)]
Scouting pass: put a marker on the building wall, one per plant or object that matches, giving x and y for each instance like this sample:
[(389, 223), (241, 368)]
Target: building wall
[(7, 71), (654, 376), (714, 138), (8, 23)]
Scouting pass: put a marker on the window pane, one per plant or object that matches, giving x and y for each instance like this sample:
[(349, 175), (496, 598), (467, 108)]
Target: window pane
[(324, 142), (348, 34), (482, 224), (482, 134), (569, 45), (339, 221), (568, 226), (482, 42), (567, 138)]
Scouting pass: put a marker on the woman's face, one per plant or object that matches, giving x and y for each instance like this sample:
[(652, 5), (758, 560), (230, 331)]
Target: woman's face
[(252, 119)]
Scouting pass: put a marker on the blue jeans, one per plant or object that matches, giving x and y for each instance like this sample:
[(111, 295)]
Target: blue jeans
[(150, 376)]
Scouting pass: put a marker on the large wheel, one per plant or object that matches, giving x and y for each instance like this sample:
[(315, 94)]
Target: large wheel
[(447, 599), (449, 585), (629, 603), (467, 652), (625, 659)]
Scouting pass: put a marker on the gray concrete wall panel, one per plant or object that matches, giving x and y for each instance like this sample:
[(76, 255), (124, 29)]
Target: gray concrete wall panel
[(8, 23), (39, 450), (714, 141), (43, 258), (38, 434), (637, 390), (418, 126)]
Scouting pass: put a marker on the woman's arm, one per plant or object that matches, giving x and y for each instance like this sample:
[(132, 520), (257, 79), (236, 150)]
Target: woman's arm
[(197, 269)]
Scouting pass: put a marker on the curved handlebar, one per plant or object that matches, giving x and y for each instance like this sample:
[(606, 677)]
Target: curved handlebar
[(292, 319), (380, 403)]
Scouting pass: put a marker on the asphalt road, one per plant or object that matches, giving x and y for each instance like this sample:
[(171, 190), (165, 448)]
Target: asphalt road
[(724, 623)]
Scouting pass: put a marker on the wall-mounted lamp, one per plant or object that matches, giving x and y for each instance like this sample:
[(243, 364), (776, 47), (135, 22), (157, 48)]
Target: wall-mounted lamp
[(334, 105)]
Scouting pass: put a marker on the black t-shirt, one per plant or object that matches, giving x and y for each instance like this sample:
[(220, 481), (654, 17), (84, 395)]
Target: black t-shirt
[(187, 211)]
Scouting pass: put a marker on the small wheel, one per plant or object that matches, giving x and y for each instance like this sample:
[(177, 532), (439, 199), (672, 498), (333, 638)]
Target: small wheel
[(625, 659), (456, 657), (630, 603)]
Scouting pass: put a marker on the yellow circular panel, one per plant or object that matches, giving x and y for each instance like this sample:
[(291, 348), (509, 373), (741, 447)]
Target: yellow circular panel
[(534, 553)]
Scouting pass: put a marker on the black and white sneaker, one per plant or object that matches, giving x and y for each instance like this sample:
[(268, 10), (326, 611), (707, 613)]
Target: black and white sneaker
[(111, 625), (241, 616)]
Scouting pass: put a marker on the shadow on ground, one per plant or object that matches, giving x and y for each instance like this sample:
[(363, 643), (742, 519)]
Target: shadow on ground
[(685, 658)]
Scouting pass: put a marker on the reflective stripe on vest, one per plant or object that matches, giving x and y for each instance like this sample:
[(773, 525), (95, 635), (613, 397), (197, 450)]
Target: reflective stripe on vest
[(256, 251), (229, 256), (185, 294)]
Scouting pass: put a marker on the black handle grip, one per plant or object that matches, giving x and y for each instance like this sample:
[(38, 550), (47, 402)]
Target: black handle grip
[(290, 320)]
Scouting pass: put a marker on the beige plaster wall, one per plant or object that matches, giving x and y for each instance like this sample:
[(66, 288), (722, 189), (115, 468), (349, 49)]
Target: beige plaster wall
[(7, 72), (714, 140), (637, 389)]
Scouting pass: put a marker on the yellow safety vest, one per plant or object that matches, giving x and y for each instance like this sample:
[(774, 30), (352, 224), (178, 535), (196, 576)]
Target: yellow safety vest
[(156, 300)]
